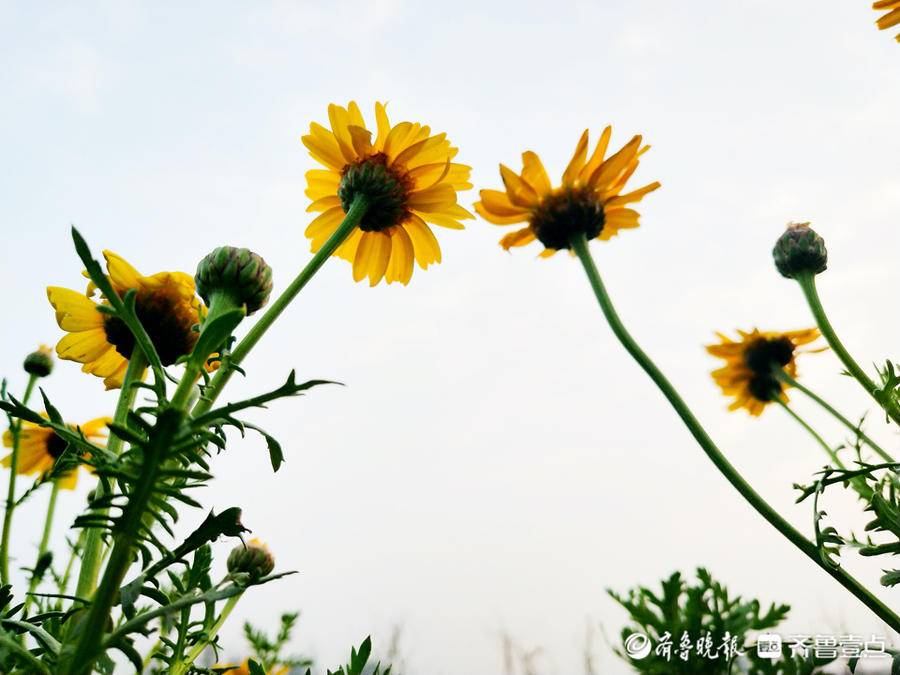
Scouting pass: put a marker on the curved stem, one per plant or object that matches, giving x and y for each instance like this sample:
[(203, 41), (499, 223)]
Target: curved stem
[(93, 542), (15, 430), (580, 246), (351, 220), (787, 379), (808, 285), (184, 664), (45, 540)]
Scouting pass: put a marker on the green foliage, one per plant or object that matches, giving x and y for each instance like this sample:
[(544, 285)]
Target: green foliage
[(705, 623), (267, 651)]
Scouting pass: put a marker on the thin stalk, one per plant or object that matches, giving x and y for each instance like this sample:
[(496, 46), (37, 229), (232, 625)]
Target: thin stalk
[(45, 540), (184, 665), (15, 431), (808, 285), (63, 585), (832, 455), (787, 379), (580, 246), (93, 543), (351, 220)]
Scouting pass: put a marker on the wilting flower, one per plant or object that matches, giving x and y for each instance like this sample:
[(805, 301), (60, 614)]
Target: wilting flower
[(589, 200), (40, 447), (751, 364), (165, 303), (244, 669), (892, 18), (409, 179)]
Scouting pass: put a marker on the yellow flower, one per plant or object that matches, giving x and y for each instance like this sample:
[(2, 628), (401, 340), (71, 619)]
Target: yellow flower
[(749, 364), (589, 199), (409, 179), (244, 669), (40, 447), (165, 303), (892, 18)]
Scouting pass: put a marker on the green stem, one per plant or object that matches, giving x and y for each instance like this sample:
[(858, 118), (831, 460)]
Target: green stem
[(15, 430), (351, 220), (92, 630), (787, 379), (183, 665), (79, 544), (45, 540), (580, 246), (93, 543), (807, 283), (832, 455)]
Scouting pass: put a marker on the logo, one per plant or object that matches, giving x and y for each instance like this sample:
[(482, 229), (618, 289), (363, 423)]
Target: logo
[(637, 646), (768, 646)]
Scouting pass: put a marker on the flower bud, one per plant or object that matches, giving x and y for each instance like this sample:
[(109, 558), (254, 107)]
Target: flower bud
[(237, 272), (253, 559), (800, 251), (40, 362)]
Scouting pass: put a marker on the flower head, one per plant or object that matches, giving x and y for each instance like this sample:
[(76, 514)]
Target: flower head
[(238, 272), (165, 303), (252, 558), (40, 447), (408, 179), (892, 18), (40, 362), (799, 250), (588, 201), (751, 363)]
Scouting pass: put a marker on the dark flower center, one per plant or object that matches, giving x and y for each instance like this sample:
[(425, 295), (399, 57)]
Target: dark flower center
[(762, 357), (56, 446), (561, 215), (386, 190), (170, 328)]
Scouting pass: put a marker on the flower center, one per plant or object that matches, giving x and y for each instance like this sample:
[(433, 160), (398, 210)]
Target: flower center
[(385, 187), (170, 328), (56, 446), (762, 356), (563, 214)]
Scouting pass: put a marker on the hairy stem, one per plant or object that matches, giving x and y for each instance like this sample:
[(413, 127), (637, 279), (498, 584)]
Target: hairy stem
[(93, 543), (184, 664), (15, 432), (808, 285), (580, 246), (128, 526)]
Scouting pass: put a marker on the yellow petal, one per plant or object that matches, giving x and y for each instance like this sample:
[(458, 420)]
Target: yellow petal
[(607, 172), (383, 125), (372, 257), (597, 156), (340, 119), (492, 217), (534, 173), (518, 191), (362, 140), (577, 162), (517, 238), (74, 311), (83, 346), (323, 226), (324, 203), (425, 245), (325, 151), (400, 267)]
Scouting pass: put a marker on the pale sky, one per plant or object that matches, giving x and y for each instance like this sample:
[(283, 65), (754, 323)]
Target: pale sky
[(496, 460)]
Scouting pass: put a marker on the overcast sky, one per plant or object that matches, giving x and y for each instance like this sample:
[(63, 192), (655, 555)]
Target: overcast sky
[(496, 461)]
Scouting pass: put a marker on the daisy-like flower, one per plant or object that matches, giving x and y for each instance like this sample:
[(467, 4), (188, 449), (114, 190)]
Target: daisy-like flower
[(589, 199), (165, 303), (892, 18), (40, 447), (410, 181), (750, 363)]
